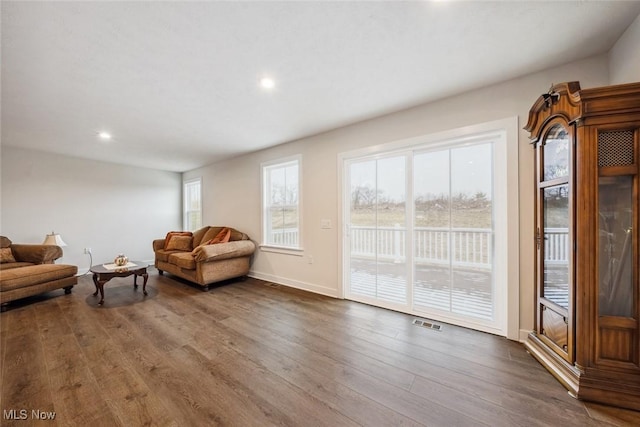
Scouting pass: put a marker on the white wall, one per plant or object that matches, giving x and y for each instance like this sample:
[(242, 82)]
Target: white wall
[(231, 190), (108, 207), (624, 57)]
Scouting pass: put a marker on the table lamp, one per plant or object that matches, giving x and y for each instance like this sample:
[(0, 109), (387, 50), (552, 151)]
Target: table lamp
[(54, 239)]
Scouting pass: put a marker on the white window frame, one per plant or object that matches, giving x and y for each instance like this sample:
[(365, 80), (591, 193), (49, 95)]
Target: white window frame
[(266, 168), (185, 210)]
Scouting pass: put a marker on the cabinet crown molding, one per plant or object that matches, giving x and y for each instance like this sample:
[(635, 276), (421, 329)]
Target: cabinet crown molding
[(576, 105)]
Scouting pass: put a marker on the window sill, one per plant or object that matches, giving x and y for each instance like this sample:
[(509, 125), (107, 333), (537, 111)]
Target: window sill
[(282, 250)]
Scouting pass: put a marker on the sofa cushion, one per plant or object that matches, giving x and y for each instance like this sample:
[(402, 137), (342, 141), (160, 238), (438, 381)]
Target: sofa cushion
[(6, 255), (213, 232), (4, 242), (175, 233), (237, 235), (222, 237), (210, 234), (198, 235), (179, 243), (183, 260), (17, 264), (163, 255), (15, 278)]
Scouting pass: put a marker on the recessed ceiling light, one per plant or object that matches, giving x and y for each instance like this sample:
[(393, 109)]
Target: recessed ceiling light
[(267, 83), (105, 136)]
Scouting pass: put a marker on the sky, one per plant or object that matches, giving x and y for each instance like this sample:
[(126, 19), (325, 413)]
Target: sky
[(470, 166)]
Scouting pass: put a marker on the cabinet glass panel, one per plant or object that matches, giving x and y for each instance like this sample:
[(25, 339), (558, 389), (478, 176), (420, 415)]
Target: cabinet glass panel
[(556, 244), (615, 264), (556, 154)]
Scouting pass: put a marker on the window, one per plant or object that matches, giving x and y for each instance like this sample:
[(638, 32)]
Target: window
[(192, 209), (281, 203)]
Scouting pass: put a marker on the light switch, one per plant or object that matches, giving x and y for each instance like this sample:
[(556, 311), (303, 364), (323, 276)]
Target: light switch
[(325, 224)]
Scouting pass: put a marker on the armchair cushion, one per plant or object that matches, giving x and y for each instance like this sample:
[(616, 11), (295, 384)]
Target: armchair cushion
[(16, 278), (8, 265), (5, 242), (6, 255), (36, 254)]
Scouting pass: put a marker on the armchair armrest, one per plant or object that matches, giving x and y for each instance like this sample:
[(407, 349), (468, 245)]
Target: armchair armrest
[(37, 254), (158, 244), (222, 251)]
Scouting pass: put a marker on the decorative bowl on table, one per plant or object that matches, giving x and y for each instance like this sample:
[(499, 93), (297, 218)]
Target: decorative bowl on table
[(121, 260)]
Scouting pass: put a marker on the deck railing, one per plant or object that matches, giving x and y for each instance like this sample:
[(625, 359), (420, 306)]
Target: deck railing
[(284, 237), (472, 247), (556, 245)]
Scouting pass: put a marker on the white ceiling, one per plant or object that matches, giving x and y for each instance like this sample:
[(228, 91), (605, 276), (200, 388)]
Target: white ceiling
[(176, 83)]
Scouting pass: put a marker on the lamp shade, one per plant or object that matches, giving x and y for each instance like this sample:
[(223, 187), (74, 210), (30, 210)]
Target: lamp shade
[(54, 239)]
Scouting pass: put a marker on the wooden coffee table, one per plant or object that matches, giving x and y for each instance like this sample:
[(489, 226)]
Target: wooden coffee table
[(102, 275)]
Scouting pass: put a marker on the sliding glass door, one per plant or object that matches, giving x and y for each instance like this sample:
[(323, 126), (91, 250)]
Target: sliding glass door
[(420, 232), (377, 212), (453, 231)]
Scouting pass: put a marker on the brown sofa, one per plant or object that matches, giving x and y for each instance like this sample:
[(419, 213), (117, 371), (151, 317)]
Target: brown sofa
[(29, 270), (202, 263)]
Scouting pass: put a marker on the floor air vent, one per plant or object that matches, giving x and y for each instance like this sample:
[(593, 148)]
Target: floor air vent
[(426, 324)]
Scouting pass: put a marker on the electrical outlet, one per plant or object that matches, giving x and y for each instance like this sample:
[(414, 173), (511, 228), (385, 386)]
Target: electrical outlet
[(87, 250), (310, 259)]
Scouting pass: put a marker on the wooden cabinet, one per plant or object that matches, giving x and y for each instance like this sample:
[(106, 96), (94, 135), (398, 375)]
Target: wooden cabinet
[(587, 302)]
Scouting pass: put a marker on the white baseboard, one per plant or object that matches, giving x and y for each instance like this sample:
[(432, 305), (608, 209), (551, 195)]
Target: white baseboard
[(322, 290)]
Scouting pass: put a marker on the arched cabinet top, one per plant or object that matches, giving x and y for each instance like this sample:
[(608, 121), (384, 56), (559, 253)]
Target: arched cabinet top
[(577, 106), (562, 100)]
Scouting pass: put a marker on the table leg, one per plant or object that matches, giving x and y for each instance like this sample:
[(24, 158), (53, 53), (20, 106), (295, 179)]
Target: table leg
[(145, 276), (95, 283), (100, 287)]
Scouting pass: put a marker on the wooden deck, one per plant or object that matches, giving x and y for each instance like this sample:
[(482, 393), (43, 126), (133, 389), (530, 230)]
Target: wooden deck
[(468, 291), (250, 354), (469, 295)]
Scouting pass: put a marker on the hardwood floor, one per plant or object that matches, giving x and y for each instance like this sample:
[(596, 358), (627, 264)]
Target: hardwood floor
[(249, 353)]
